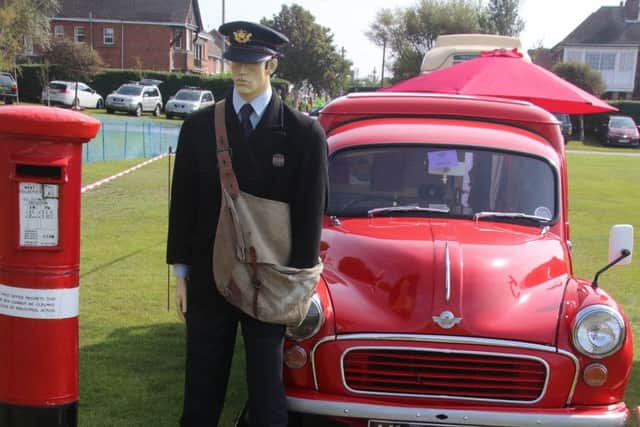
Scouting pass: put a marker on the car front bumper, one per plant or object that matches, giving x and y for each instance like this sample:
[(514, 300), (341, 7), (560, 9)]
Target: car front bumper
[(121, 107), (575, 416)]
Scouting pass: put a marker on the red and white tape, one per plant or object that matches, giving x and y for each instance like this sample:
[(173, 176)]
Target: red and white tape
[(119, 174)]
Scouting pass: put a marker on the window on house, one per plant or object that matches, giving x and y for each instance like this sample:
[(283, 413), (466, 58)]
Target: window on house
[(28, 45), (177, 38), (58, 31), (601, 60), (108, 36), (78, 34), (626, 61), (198, 51), (574, 56), (188, 42)]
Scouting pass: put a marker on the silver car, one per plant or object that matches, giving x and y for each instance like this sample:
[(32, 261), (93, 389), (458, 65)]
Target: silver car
[(136, 98), (187, 100)]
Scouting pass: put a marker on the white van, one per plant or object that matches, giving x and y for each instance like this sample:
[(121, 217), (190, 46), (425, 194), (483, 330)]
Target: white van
[(452, 49)]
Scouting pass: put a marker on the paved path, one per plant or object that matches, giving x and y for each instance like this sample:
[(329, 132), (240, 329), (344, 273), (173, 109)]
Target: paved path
[(603, 153)]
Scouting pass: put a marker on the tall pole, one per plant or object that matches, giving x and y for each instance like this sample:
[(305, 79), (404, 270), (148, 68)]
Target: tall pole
[(223, 1), (384, 47), (223, 19)]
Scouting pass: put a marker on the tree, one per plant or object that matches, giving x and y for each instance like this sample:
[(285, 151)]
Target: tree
[(411, 32), (581, 75), (67, 60), (310, 58), (72, 61), (21, 22), (501, 17), (380, 35)]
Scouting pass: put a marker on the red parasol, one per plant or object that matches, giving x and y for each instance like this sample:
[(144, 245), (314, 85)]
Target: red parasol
[(503, 73)]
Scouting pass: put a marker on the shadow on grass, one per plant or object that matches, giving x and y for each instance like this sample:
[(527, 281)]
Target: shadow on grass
[(117, 260), (135, 378)]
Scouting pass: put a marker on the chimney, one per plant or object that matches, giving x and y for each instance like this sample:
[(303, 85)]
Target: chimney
[(631, 9)]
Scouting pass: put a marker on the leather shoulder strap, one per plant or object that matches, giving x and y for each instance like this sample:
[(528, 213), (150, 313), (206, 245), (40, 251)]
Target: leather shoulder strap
[(228, 179)]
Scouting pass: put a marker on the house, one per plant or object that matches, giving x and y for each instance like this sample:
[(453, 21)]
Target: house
[(608, 40), (164, 35)]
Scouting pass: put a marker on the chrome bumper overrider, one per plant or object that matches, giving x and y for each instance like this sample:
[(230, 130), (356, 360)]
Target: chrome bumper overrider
[(611, 416)]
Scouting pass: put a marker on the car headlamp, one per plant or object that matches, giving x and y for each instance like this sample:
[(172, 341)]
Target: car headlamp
[(599, 331), (311, 323)]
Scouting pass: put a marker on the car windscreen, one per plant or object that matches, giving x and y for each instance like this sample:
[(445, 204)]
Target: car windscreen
[(622, 123), (454, 180), (58, 86), (130, 90), (188, 95)]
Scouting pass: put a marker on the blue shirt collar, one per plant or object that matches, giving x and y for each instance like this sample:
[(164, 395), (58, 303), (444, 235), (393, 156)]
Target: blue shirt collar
[(259, 103)]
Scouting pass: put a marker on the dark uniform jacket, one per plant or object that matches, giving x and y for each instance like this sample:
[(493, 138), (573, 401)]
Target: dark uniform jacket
[(301, 180)]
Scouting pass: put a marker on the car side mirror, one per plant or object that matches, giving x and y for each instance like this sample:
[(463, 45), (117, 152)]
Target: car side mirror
[(621, 239), (620, 249)]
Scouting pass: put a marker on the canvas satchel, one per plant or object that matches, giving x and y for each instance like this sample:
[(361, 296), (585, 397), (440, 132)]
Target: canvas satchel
[(252, 247)]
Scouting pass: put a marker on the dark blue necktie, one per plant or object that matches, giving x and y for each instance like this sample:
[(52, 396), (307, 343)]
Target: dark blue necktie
[(245, 113)]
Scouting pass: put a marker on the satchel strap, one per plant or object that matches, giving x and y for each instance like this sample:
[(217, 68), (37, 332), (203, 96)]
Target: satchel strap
[(228, 179)]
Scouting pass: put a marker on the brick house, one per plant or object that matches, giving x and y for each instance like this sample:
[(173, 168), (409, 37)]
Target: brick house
[(163, 35), (609, 41)]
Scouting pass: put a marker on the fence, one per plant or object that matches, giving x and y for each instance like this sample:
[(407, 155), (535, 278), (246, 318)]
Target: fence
[(125, 138)]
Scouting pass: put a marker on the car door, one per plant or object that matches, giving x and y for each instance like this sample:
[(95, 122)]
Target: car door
[(147, 99), (84, 95)]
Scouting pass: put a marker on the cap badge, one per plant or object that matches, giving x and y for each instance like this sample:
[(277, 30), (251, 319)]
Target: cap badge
[(242, 36), (278, 160)]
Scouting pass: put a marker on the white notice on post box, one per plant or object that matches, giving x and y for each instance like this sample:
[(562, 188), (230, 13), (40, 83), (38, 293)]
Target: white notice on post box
[(38, 214)]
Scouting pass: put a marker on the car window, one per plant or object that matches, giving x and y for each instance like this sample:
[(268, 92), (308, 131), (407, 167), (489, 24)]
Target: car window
[(153, 92), (6, 80), (130, 90), (188, 95), (57, 86), (622, 123), (207, 97), (461, 181)]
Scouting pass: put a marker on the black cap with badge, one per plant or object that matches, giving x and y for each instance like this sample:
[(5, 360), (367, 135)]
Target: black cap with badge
[(250, 42)]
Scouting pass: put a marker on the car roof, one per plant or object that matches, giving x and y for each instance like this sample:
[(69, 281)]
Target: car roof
[(357, 107)]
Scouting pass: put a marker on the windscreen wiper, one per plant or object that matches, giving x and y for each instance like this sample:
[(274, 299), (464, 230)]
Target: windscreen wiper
[(408, 208), (519, 216)]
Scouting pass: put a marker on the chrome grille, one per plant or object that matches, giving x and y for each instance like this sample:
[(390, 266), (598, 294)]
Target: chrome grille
[(477, 376)]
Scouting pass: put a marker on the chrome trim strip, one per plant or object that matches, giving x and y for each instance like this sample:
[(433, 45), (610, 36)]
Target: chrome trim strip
[(449, 339), (447, 273), (446, 396), (457, 417), (576, 362), (313, 358)]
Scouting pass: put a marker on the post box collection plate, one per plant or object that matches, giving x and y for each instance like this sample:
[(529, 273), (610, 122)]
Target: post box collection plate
[(38, 214)]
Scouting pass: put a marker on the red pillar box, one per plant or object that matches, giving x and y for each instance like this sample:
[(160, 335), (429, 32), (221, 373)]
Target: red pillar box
[(40, 164)]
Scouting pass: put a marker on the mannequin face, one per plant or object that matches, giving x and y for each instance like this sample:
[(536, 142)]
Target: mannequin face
[(250, 80)]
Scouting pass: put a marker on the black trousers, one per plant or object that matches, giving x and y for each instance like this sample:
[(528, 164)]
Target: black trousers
[(211, 333)]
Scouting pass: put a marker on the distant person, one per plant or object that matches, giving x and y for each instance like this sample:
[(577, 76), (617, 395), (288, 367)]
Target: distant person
[(277, 153)]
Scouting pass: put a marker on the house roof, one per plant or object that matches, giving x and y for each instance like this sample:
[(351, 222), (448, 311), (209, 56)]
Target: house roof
[(170, 11), (607, 25)]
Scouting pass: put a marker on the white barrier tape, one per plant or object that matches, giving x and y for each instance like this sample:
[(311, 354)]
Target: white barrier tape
[(118, 175), (31, 303)]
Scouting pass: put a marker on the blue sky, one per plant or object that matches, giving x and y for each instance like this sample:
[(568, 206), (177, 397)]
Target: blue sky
[(547, 21)]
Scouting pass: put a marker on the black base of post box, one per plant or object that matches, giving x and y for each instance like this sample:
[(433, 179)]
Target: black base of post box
[(39, 416)]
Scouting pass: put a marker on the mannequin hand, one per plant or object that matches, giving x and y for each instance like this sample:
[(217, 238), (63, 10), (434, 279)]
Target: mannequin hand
[(181, 297)]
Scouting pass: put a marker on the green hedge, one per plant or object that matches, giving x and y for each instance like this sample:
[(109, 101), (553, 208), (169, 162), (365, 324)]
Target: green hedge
[(108, 80)]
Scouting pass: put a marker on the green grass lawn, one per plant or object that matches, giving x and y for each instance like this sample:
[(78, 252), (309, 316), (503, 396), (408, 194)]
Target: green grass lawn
[(131, 346)]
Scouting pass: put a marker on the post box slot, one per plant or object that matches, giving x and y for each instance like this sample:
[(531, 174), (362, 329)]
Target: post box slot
[(52, 172)]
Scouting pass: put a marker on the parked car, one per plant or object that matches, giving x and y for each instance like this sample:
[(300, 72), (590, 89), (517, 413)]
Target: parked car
[(8, 88), (619, 131), (565, 125), (448, 296), (136, 98), (188, 100), (65, 93)]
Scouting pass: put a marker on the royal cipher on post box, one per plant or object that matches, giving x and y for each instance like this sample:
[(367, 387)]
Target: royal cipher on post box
[(40, 165)]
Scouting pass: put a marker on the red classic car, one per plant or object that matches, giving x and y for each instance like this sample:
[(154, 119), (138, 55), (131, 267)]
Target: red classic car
[(448, 297)]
